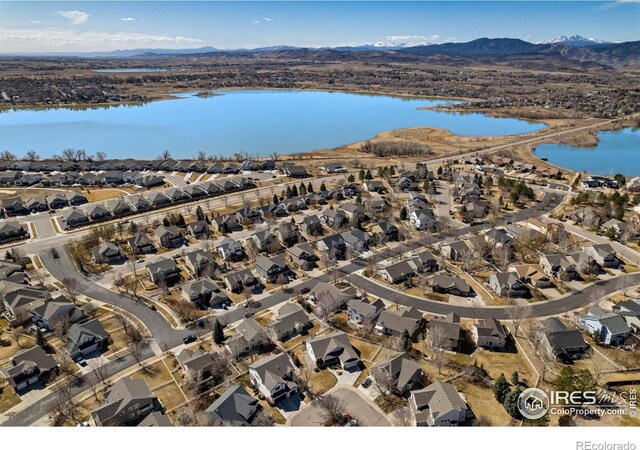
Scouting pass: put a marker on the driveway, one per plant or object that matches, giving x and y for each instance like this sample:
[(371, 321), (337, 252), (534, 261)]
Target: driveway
[(360, 408)]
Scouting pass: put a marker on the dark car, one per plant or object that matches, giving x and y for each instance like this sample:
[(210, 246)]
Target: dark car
[(189, 339), (366, 383)]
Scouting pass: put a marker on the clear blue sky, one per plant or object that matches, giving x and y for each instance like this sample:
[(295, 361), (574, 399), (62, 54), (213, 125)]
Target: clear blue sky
[(101, 26)]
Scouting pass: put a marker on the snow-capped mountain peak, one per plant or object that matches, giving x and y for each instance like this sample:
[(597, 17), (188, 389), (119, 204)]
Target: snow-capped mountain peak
[(576, 40)]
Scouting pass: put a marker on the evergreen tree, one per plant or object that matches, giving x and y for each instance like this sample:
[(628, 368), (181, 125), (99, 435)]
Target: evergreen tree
[(368, 175), (323, 187), (511, 403), (515, 378), (288, 192), (361, 175), (501, 388), (310, 188), (302, 189), (276, 200), (351, 178), (218, 333), (403, 213), (42, 341), (199, 213), (165, 222), (294, 191), (392, 170), (133, 228), (439, 172)]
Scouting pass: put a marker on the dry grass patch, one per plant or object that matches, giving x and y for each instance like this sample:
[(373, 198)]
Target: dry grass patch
[(276, 415), (321, 382), (170, 396), (367, 350), (483, 404), (8, 398), (13, 348), (97, 195), (496, 363), (154, 374)]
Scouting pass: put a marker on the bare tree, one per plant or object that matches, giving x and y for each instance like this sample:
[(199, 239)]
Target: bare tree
[(90, 309), (100, 370), (403, 417), (186, 310), (436, 342), (136, 349), (71, 288), (518, 313), (326, 304), (333, 407), (132, 334)]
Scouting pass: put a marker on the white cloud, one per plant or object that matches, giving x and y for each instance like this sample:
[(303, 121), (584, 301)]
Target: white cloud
[(59, 40), (256, 21), (268, 19), (75, 17), (415, 37), (128, 19)]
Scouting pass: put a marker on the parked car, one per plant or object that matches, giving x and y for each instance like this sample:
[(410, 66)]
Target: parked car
[(189, 339)]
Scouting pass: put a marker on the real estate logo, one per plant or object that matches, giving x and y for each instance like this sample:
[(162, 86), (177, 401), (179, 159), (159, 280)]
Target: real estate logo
[(533, 403)]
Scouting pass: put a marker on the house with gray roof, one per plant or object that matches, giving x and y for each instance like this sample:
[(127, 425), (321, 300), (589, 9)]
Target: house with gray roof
[(559, 267), (14, 206), (603, 254), (74, 217), (289, 321), (108, 253), (119, 207), (76, 198), (455, 250), (272, 376), (400, 373), (489, 333), (56, 312), (200, 262), (356, 240), (165, 270), (445, 332), (302, 256), (439, 404), (19, 300), (157, 199), (445, 284), (198, 364), (560, 340), (611, 328), (333, 349), (395, 323), (235, 407), (29, 367), (241, 279), (205, 293), (140, 244), (169, 236), (270, 269), (199, 229), (312, 225), (128, 402), (86, 338), (249, 338), (507, 284), (36, 204), (156, 419), (138, 203), (397, 272), (629, 310), (97, 212), (264, 240), (10, 230), (363, 310), (229, 249)]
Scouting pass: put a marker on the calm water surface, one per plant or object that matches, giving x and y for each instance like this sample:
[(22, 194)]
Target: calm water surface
[(256, 121), (616, 152)]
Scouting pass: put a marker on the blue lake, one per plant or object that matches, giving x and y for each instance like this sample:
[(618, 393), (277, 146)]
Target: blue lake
[(255, 121), (616, 152)]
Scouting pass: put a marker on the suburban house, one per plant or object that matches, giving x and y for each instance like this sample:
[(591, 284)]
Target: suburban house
[(422, 219), (264, 240), (373, 186), (57, 312), (169, 236), (158, 199), (108, 253), (438, 405), (198, 365), (225, 223), (532, 274), (200, 262), (611, 328), (76, 198), (19, 300), (507, 284), (330, 297), (560, 340), (36, 204), (603, 254), (617, 226), (239, 280), (290, 320), (364, 311), (229, 249), (204, 292), (334, 167), (400, 373), (138, 202), (311, 225), (630, 312), (356, 240), (489, 333), (397, 272), (83, 339), (140, 244), (28, 368), (247, 215), (445, 332), (288, 234), (11, 230), (270, 269), (334, 218), (272, 377), (14, 206), (249, 337), (385, 231), (445, 284), (455, 251), (302, 256), (97, 212), (119, 207), (395, 323), (559, 267), (127, 403), (333, 349), (199, 229), (499, 237), (333, 245), (57, 201), (74, 217), (163, 270), (423, 262), (234, 407)]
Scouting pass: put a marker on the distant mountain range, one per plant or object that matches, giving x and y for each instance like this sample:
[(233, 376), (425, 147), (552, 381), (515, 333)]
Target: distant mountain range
[(574, 50), (576, 41)]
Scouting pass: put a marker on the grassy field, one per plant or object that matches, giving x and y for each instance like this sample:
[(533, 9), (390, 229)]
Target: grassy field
[(321, 382), (8, 397), (155, 375)]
